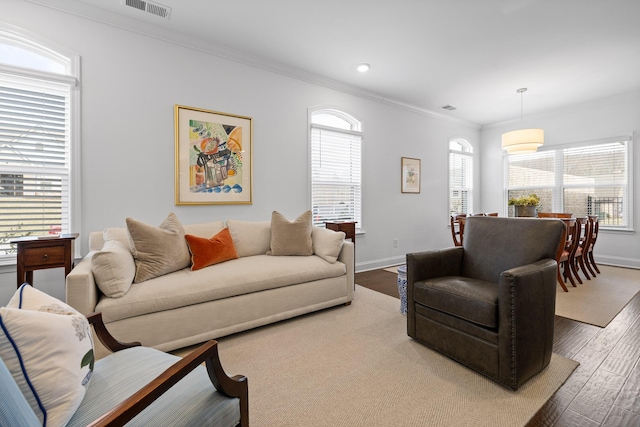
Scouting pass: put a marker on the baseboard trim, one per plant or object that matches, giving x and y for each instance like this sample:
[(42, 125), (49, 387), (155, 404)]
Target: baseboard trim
[(380, 263)]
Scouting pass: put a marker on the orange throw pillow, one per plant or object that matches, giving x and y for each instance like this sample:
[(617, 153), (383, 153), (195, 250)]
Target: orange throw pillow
[(206, 252)]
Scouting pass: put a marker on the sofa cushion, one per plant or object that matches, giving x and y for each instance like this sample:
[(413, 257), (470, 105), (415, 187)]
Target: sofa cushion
[(158, 250), (291, 237), (250, 237), (206, 252), (327, 244), (469, 299), (235, 277), (113, 268), (205, 229), (48, 348)]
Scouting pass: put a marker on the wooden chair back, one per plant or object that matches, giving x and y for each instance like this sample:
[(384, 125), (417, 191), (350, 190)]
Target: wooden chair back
[(457, 228)]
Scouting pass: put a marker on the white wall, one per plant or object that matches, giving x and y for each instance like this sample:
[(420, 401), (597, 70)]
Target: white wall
[(615, 116), (130, 83)]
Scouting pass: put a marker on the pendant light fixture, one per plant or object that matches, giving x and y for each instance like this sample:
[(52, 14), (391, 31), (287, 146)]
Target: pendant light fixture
[(523, 140)]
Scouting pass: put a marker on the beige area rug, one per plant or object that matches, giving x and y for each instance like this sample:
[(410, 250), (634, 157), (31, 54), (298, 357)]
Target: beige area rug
[(599, 300), (355, 366)]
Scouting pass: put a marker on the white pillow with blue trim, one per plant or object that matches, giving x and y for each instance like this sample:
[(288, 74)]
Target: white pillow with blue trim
[(48, 348)]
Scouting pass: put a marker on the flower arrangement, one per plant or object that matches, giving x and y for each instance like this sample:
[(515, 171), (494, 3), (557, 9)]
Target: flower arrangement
[(530, 200)]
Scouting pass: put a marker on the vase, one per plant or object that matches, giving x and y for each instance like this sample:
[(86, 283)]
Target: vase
[(525, 211)]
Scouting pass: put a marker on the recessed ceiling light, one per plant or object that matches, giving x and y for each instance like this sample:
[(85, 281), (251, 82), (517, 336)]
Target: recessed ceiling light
[(448, 107), (363, 68)]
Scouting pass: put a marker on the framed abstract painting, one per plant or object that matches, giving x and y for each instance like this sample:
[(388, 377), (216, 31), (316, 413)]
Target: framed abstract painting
[(213, 157)]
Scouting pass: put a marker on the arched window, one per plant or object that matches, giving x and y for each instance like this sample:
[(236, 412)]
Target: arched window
[(38, 105), (460, 176), (336, 155)]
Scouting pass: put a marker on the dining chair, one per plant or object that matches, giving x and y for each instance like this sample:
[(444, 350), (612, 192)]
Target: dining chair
[(566, 251), (595, 227), (583, 242), (457, 228), (554, 215)]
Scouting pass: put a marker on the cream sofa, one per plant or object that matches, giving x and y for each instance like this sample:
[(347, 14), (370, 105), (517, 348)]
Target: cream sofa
[(187, 307)]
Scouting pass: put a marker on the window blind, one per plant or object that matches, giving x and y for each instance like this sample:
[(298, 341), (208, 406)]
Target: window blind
[(460, 183), (34, 158), (590, 178), (335, 175)]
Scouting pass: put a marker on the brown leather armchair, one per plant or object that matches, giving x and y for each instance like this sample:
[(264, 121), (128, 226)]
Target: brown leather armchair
[(490, 303)]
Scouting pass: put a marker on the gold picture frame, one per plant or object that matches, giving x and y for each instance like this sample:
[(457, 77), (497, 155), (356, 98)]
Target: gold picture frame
[(410, 179), (214, 157)]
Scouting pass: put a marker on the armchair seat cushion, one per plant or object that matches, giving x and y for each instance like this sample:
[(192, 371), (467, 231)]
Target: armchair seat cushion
[(469, 299), (192, 401)]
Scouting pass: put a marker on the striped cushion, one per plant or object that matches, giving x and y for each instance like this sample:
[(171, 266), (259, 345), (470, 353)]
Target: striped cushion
[(193, 401), (14, 408)]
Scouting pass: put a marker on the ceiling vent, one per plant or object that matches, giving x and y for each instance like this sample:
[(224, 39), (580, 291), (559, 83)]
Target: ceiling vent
[(149, 7), (448, 107)]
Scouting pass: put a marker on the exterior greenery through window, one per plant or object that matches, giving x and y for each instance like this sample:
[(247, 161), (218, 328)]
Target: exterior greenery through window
[(336, 177), (589, 178), (460, 177), (37, 96)]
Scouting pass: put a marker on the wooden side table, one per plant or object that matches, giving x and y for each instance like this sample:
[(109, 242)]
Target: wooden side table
[(349, 229), (37, 253)]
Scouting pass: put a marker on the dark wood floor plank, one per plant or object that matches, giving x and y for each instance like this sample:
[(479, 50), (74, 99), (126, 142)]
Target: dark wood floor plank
[(598, 395), (630, 393), (573, 419), (619, 417)]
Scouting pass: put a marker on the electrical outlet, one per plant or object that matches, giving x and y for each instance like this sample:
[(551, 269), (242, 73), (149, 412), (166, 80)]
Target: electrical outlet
[(395, 243)]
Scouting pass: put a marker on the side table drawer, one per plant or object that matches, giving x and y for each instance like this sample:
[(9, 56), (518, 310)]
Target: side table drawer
[(37, 257)]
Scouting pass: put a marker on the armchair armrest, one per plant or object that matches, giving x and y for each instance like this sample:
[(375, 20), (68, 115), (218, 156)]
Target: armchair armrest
[(236, 386), (430, 264), (95, 319), (527, 297)]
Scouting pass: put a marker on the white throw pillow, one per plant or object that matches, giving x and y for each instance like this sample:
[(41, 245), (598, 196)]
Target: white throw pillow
[(250, 237), (327, 244), (48, 348), (113, 268)]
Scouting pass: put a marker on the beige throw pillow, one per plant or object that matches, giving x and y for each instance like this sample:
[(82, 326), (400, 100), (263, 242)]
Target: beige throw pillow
[(327, 244), (158, 250), (291, 238), (113, 268)]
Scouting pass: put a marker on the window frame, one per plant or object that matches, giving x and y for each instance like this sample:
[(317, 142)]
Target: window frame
[(470, 154), (559, 186), (15, 36), (355, 129)]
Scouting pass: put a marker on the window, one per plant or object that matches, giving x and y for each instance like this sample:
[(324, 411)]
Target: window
[(590, 178), (38, 99), (460, 177), (336, 154)]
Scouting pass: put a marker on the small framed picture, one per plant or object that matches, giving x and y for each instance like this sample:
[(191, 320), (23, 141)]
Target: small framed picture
[(410, 175), (213, 157)]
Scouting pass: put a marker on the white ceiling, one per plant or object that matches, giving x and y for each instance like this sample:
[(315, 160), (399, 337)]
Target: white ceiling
[(472, 54)]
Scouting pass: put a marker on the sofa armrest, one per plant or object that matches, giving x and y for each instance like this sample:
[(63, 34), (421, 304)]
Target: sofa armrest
[(81, 290), (347, 256)]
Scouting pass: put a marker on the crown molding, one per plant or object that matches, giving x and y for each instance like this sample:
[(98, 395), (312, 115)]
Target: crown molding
[(144, 28), (600, 102)]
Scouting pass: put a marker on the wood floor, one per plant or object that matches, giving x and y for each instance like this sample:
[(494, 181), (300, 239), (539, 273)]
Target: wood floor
[(604, 390)]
